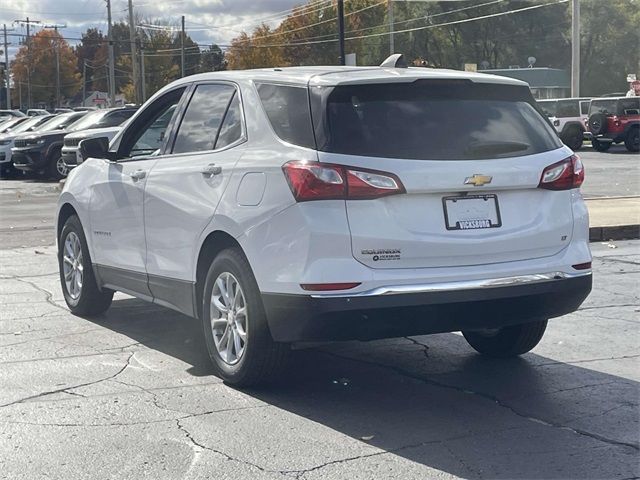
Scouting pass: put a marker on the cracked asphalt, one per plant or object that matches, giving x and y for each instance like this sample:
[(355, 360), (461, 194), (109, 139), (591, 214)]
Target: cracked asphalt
[(131, 395)]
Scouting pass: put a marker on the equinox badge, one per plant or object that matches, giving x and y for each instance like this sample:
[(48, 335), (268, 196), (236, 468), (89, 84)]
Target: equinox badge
[(478, 180)]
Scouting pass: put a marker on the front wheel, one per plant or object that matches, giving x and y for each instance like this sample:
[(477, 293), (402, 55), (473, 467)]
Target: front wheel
[(235, 325), (57, 169), (632, 142), (79, 286), (600, 146), (506, 341)]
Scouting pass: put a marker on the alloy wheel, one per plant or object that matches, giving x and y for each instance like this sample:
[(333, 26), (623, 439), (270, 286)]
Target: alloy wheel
[(72, 266), (228, 317), (61, 167)]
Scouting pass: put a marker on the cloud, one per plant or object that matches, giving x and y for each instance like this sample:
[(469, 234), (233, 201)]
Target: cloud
[(208, 21)]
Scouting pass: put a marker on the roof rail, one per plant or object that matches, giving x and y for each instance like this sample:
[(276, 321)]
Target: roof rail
[(394, 61)]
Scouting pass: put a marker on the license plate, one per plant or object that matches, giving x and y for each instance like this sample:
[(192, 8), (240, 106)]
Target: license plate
[(471, 212)]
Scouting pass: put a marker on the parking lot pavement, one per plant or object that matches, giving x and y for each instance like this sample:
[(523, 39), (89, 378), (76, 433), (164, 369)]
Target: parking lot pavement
[(130, 395), (611, 174)]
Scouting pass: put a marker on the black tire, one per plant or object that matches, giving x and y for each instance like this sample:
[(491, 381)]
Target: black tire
[(599, 146), (597, 123), (573, 138), (91, 300), (632, 140), (506, 341), (262, 360), (56, 168)]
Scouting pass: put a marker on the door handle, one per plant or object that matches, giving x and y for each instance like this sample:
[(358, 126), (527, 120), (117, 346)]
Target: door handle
[(211, 169), (138, 174)]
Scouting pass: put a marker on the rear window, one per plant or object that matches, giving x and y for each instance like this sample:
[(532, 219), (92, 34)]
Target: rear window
[(608, 107), (430, 120), (287, 108)]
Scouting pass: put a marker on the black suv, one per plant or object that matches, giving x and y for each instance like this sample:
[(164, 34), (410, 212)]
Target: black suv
[(42, 151)]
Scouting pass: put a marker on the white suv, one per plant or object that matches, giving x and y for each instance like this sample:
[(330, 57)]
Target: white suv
[(568, 116), (323, 203)]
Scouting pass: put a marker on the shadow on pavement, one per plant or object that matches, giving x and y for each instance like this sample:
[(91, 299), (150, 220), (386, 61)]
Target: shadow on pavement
[(433, 401)]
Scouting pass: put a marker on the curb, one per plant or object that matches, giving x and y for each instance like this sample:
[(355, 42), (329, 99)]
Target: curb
[(617, 232)]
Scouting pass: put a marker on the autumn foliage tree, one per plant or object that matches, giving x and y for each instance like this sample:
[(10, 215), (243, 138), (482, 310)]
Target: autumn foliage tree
[(40, 58)]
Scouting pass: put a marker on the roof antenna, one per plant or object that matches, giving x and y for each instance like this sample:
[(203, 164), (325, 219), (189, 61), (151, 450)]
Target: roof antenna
[(394, 61)]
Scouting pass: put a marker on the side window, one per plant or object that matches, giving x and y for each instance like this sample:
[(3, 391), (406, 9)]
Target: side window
[(287, 108), (568, 108), (202, 119), (145, 135), (231, 129)]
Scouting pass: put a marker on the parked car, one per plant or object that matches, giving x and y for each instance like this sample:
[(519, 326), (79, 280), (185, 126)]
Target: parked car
[(40, 151), (6, 126), (7, 140), (615, 120), (317, 203), (567, 116), (34, 112), (105, 123), (10, 114)]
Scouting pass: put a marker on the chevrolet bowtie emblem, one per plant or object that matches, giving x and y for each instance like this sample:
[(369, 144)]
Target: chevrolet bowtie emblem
[(478, 180)]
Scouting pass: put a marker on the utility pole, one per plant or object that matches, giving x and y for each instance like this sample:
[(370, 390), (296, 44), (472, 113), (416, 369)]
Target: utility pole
[(6, 67), (134, 54), (575, 49), (341, 30), (112, 71), (57, 48), (84, 81), (144, 78), (28, 23), (182, 46), (391, 39)]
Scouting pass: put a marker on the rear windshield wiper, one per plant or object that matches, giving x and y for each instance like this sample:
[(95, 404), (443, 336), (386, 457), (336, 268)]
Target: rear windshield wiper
[(495, 148)]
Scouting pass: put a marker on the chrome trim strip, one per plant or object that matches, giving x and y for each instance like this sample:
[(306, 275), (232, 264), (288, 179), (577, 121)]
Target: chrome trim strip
[(460, 285)]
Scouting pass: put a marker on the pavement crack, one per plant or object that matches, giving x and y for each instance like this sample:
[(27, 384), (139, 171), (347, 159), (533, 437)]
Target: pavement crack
[(496, 401), (425, 348), (199, 447), (72, 387), (586, 360), (47, 293)]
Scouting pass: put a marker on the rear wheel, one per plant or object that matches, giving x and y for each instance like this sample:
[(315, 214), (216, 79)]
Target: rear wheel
[(632, 142), (600, 146), (235, 326), (79, 286), (573, 138), (506, 341)]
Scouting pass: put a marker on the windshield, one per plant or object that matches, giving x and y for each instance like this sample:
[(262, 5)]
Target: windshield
[(10, 124), (430, 120), (87, 121), (32, 122), (60, 121), (608, 107)]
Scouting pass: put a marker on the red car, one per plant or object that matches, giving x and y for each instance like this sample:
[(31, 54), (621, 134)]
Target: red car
[(614, 120)]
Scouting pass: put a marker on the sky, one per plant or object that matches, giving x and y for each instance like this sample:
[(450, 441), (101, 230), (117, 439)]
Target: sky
[(208, 21)]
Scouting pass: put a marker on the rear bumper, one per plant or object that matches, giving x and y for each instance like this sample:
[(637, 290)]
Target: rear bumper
[(418, 310)]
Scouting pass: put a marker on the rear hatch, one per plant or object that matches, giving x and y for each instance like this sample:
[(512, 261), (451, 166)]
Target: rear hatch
[(470, 157)]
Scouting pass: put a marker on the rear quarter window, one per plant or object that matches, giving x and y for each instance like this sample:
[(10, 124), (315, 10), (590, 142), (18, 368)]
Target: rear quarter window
[(287, 108)]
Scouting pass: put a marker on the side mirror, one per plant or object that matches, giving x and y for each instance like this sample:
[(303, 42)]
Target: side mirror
[(95, 148)]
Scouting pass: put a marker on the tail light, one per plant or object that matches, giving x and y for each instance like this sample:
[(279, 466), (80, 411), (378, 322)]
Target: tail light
[(563, 175), (326, 181), (616, 121)]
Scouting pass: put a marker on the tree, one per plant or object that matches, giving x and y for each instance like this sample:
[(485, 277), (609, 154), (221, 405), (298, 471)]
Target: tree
[(212, 60), (41, 59)]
